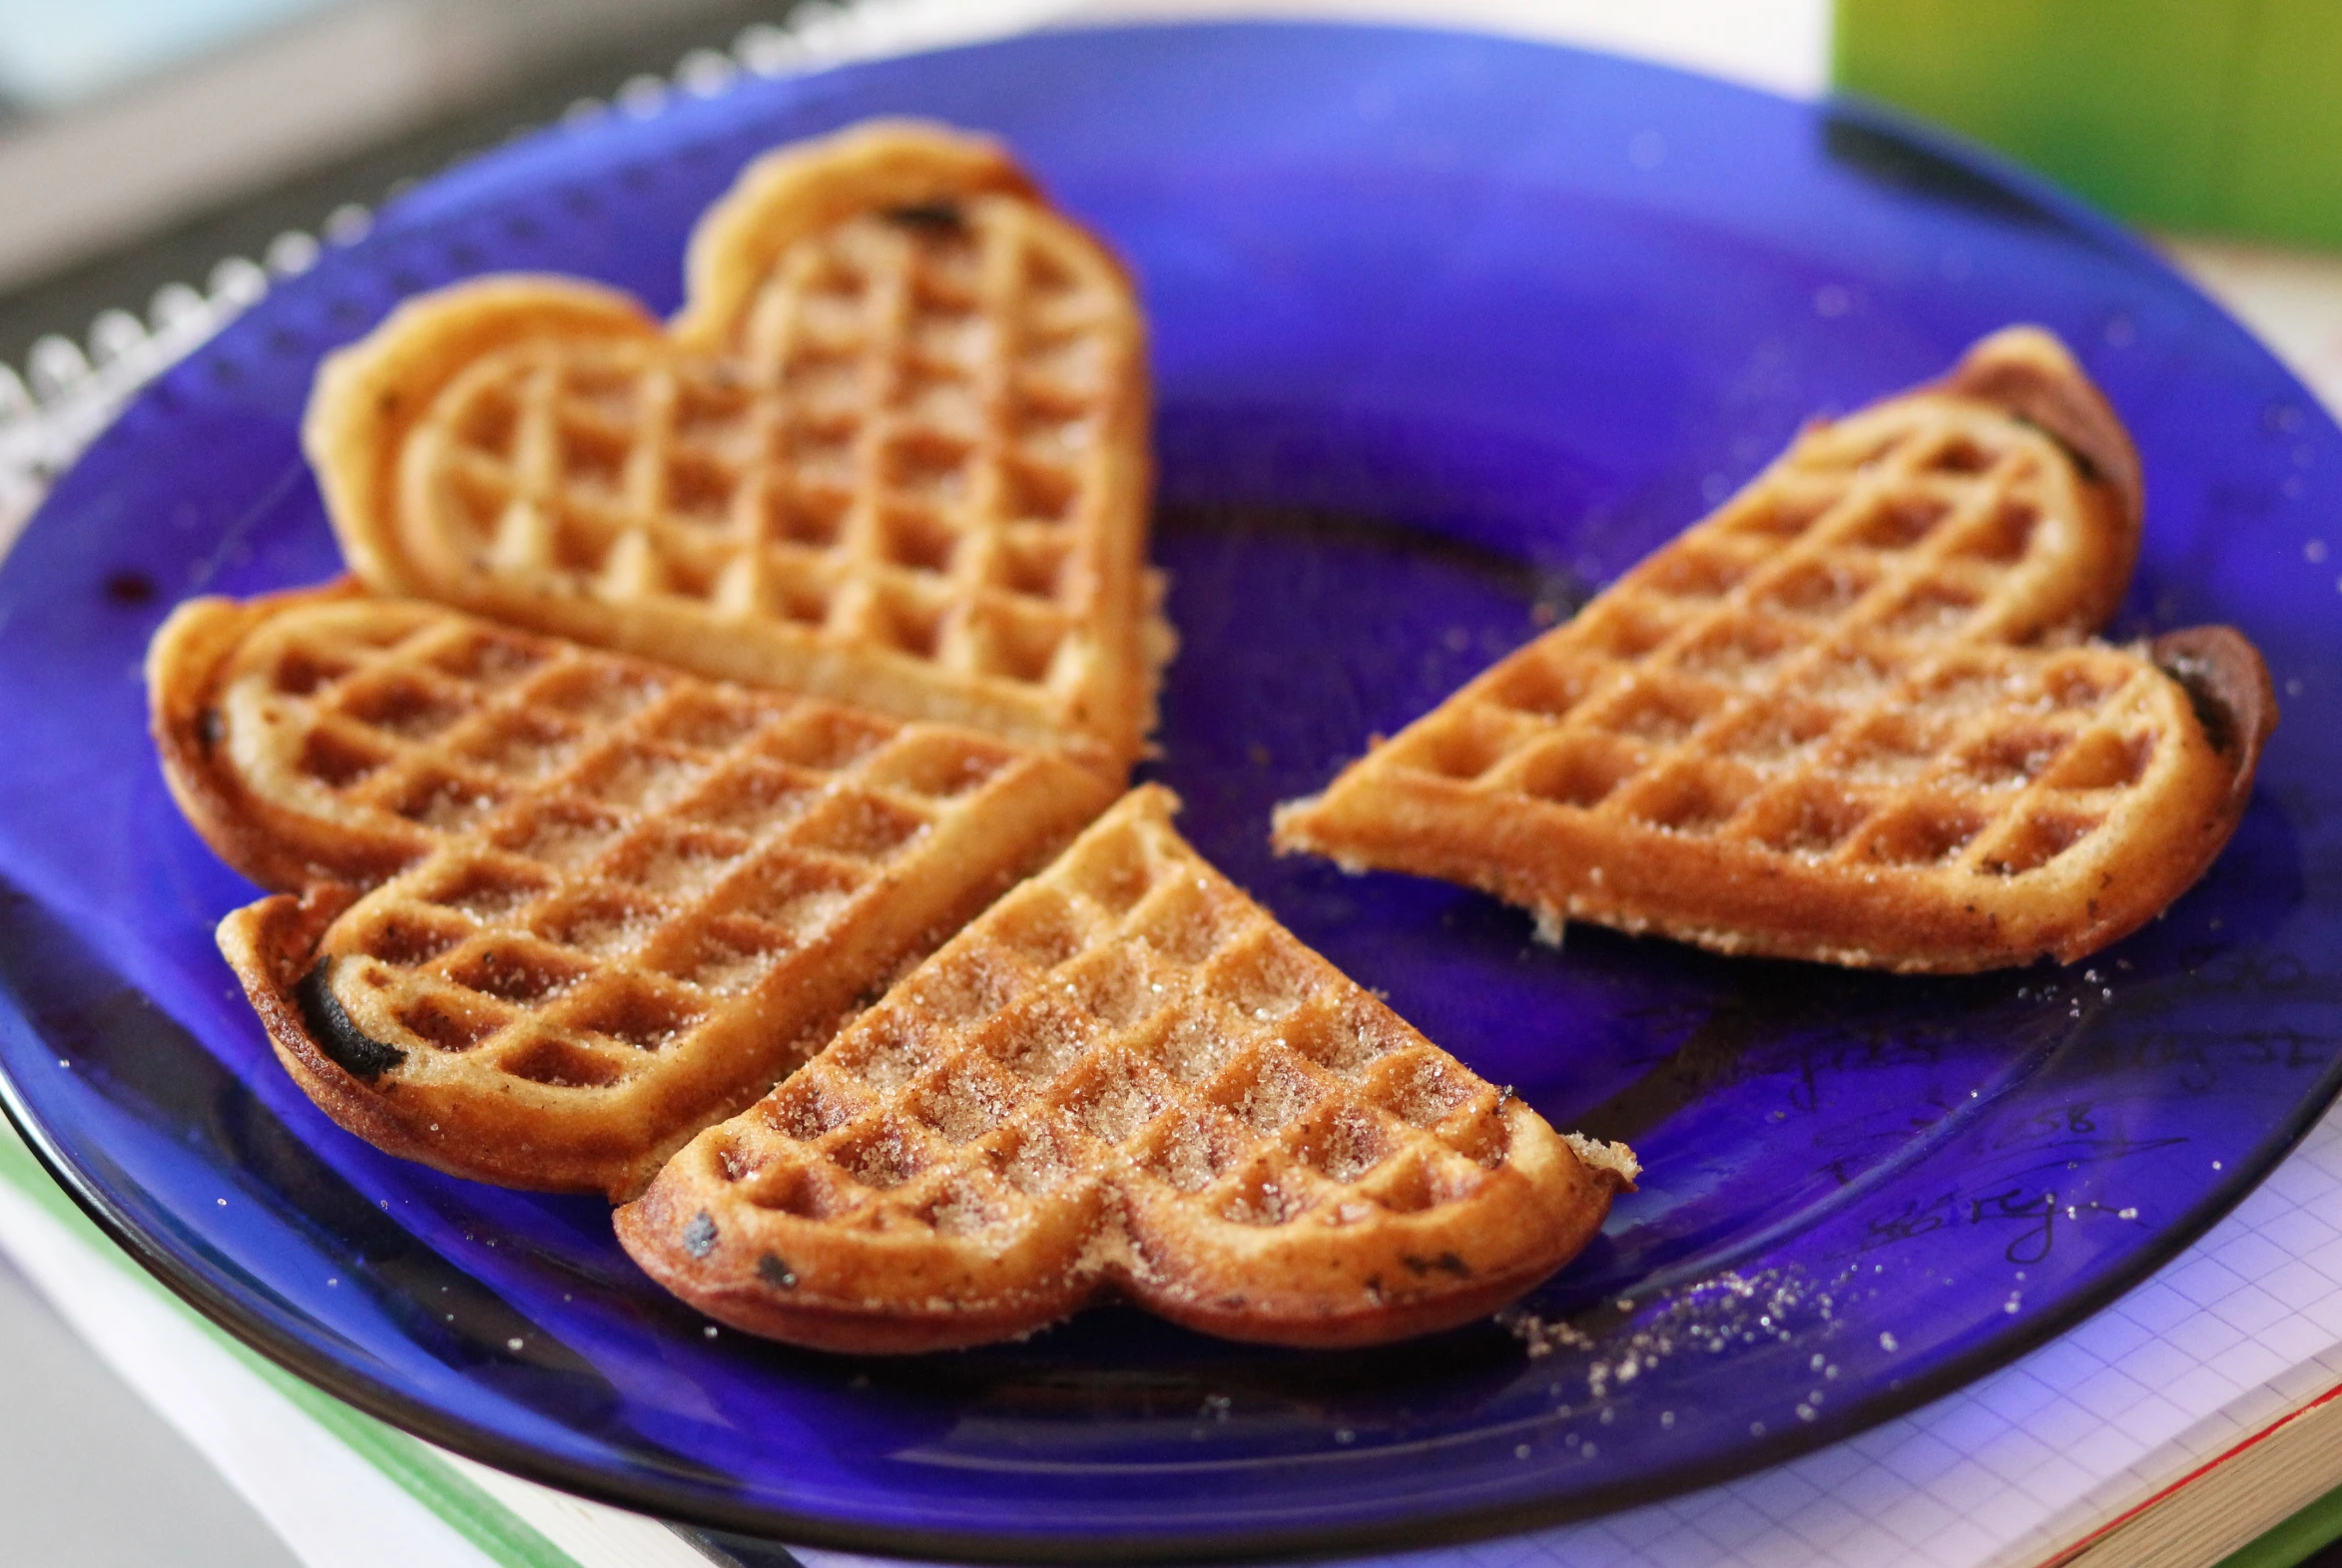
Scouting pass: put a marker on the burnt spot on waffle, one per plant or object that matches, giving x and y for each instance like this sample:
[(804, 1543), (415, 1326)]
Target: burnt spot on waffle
[(940, 217), (2226, 684), (350, 1048)]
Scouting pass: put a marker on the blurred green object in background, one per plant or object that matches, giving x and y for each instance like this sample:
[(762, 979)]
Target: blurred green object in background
[(2184, 113)]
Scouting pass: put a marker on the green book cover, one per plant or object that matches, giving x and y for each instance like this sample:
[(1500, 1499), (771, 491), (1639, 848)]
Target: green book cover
[(2182, 114)]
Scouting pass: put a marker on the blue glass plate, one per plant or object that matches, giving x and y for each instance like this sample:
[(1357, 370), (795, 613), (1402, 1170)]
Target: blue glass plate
[(1448, 330)]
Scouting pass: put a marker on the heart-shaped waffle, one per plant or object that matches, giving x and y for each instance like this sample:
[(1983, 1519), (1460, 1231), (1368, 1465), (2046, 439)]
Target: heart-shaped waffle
[(1849, 716), (894, 451), (1124, 1079), (561, 909)]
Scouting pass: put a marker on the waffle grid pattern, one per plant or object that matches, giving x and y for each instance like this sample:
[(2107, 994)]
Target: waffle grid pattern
[(908, 452), (1819, 672), (615, 852), (1127, 1013)]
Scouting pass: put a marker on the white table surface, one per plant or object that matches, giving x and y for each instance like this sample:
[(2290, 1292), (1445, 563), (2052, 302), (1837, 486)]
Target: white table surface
[(90, 1476)]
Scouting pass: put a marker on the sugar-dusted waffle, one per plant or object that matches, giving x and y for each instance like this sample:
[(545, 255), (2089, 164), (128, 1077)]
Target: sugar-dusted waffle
[(1850, 715), (560, 909), (1124, 1079), (894, 451)]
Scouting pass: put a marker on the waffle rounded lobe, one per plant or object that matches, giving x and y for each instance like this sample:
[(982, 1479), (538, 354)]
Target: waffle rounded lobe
[(1850, 715), (1124, 1077), (894, 451), (559, 909)]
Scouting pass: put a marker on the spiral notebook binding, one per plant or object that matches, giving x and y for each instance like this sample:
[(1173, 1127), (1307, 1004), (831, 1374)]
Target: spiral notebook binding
[(69, 391)]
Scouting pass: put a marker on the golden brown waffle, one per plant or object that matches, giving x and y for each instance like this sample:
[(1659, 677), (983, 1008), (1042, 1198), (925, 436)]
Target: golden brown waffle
[(1848, 716), (612, 903), (892, 452), (1124, 1079)]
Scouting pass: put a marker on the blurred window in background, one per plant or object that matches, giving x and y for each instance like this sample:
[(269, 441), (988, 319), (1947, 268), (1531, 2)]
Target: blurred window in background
[(121, 118), (54, 54)]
